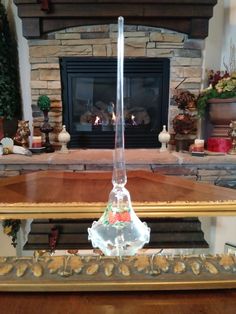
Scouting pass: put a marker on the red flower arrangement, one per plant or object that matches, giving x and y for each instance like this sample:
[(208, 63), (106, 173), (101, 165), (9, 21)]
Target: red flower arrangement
[(215, 77)]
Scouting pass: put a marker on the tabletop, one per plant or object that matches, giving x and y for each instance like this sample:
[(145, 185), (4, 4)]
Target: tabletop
[(53, 194)]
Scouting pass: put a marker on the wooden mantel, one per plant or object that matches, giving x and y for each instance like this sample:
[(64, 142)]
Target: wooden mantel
[(186, 16)]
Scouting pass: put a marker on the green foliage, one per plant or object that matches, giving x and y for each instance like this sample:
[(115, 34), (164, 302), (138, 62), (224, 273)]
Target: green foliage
[(202, 100), (10, 105), (44, 103)]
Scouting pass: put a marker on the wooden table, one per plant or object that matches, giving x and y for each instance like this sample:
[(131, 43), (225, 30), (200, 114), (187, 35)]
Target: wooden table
[(84, 195), (48, 194), (160, 302)]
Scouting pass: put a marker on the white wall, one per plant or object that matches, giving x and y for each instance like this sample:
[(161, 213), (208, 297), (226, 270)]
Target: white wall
[(222, 35), (225, 232), (229, 35), (6, 249), (214, 41), (222, 32)]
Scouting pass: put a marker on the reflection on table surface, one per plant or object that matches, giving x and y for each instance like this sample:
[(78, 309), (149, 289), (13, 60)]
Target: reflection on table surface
[(48, 194), (144, 186)]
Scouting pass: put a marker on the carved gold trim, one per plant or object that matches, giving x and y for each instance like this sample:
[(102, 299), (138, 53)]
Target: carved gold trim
[(99, 273), (94, 210), (65, 286)]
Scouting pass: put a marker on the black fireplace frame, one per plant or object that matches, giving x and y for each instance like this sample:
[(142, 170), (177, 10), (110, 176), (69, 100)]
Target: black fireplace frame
[(70, 66)]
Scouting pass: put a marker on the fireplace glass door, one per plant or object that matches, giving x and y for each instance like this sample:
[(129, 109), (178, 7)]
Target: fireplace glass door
[(89, 100)]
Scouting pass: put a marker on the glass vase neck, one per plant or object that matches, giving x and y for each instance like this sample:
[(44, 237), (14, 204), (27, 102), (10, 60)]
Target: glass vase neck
[(119, 171)]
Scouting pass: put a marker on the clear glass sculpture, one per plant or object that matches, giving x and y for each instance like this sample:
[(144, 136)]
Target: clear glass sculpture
[(119, 231)]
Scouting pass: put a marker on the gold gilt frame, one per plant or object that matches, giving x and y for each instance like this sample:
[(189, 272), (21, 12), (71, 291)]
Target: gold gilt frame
[(98, 273), (215, 272), (78, 210)]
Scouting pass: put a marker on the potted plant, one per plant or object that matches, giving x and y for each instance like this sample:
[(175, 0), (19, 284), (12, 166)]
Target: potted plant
[(222, 88), (10, 105), (219, 99)]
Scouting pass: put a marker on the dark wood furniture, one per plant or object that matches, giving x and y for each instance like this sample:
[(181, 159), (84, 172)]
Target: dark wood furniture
[(161, 302), (188, 16)]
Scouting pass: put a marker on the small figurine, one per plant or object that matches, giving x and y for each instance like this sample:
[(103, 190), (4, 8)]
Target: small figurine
[(22, 134)]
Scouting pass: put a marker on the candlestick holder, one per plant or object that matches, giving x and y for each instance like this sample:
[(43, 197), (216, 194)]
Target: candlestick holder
[(46, 128), (232, 134)]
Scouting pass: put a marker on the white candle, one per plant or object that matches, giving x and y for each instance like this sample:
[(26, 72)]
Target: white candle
[(198, 145)]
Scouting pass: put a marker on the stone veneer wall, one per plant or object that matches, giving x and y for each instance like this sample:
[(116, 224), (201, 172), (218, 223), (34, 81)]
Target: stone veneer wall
[(100, 40), (208, 169), (212, 173)]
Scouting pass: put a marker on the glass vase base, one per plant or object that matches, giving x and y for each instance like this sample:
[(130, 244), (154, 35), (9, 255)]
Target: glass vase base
[(119, 240)]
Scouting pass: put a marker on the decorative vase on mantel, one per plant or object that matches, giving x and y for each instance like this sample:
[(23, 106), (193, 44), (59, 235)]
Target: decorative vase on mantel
[(64, 138), (164, 138), (221, 113), (46, 128)]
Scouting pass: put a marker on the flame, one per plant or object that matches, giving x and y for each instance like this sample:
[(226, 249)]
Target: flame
[(97, 121), (113, 119), (133, 120)]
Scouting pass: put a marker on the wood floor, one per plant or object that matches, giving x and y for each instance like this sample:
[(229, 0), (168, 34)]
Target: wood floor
[(186, 302)]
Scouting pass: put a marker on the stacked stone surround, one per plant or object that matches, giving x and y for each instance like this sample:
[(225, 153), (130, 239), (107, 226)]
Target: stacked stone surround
[(209, 169), (100, 40)]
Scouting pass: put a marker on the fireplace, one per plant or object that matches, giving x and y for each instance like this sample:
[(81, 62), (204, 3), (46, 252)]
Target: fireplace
[(89, 96), (153, 29), (156, 62)]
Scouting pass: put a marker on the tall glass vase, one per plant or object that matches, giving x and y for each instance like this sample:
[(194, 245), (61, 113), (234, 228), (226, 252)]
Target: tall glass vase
[(119, 231)]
